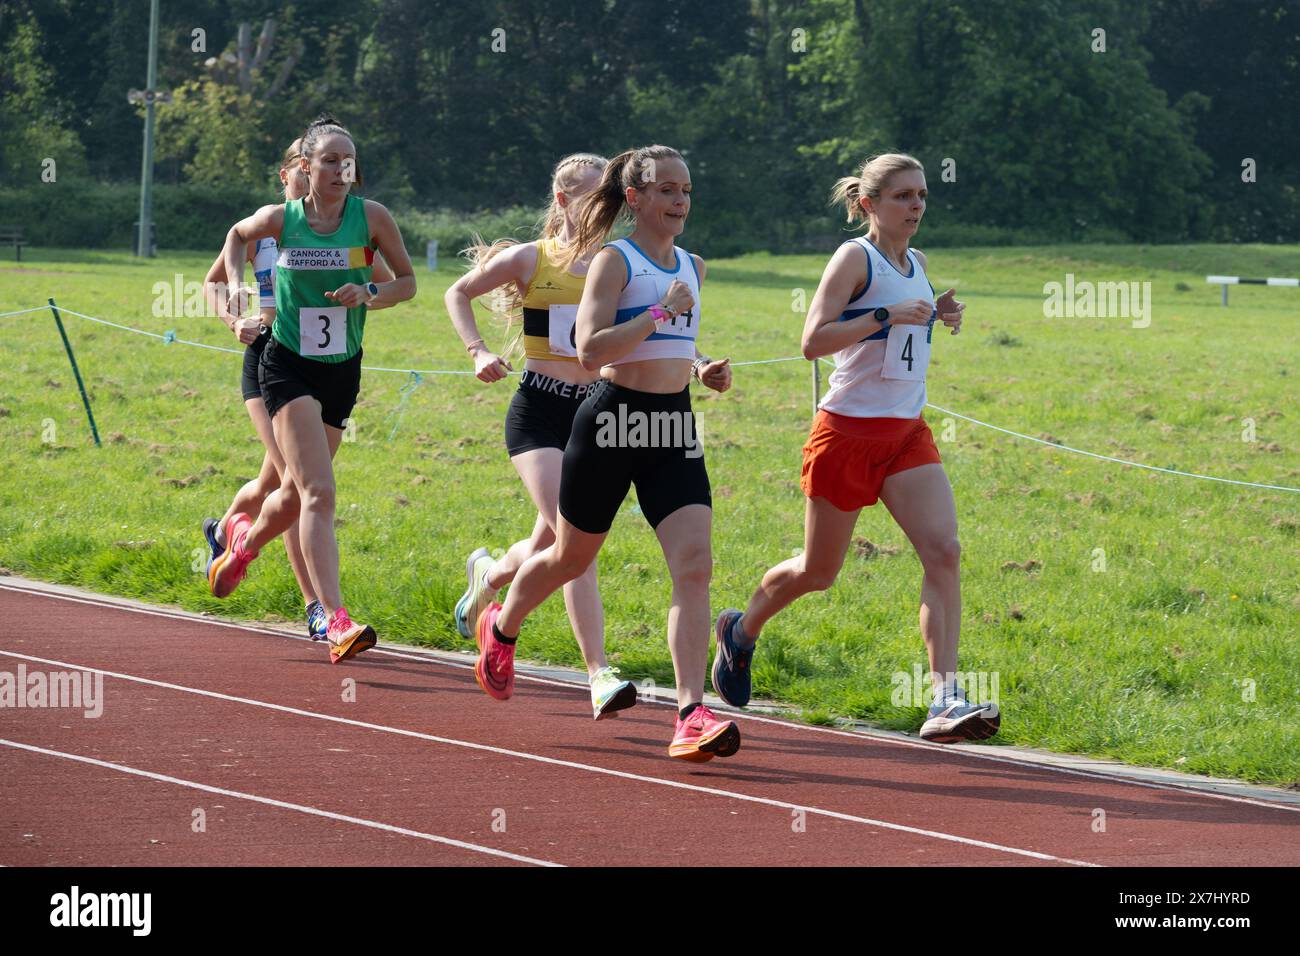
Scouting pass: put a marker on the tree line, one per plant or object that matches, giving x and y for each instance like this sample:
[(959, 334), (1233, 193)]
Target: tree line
[(1037, 120)]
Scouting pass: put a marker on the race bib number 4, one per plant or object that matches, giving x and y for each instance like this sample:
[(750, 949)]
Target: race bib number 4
[(323, 330), (907, 352), (561, 322)]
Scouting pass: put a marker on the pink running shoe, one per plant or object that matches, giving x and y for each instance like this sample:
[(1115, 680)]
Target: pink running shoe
[(701, 737), (346, 639), (229, 568), (495, 669)]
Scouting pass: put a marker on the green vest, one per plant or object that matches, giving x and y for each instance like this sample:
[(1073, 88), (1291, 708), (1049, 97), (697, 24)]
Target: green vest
[(311, 265)]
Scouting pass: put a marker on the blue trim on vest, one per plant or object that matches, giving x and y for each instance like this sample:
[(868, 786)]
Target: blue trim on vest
[(626, 315), (667, 272), (696, 269), (854, 313), (627, 263), (870, 272), (886, 258)]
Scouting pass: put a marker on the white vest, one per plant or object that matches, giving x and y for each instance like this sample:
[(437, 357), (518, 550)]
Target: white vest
[(646, 285), (857, 387), (264, 257)]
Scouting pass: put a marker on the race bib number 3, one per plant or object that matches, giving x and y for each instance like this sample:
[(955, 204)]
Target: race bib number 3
[(323, 330), (560, 323), (907, 352)]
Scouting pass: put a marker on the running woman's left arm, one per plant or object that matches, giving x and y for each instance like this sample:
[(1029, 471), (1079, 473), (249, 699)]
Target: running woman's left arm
[(714, 374), (379, 276), (946, 306), (950, 310), (388, 240)]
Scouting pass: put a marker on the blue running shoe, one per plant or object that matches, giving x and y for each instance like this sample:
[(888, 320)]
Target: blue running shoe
[(954, 718), (210, 526), (731, 663), (318, 624)]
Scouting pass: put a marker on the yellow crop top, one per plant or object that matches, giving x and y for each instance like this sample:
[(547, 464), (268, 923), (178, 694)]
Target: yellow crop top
[(551, 308)]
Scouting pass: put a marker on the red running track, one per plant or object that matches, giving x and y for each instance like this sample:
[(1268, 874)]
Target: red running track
[(224, 745)]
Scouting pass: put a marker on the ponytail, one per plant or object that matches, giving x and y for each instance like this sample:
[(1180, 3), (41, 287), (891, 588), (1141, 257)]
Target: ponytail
[(848, 190)]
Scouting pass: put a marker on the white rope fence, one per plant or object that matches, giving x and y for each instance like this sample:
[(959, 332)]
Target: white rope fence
[(1119, 461), (417, 374)]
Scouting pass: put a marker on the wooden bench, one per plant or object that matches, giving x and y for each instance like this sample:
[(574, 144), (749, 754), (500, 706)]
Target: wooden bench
[(13, 236)]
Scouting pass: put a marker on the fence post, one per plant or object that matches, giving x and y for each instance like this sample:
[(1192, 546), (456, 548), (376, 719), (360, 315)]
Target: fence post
[(85, 399)]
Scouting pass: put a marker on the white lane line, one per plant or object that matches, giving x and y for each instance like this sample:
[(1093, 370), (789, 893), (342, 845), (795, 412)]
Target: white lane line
[(280, 804), (936, 749), (553, 761)]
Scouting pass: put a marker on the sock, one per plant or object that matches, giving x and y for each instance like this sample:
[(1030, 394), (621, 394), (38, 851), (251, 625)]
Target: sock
[(946, 690), (687, 711), (220, 534), (739, 637), (496, 632)]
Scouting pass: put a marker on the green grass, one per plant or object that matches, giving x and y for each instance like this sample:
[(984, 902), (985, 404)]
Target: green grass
[(1147, 661)]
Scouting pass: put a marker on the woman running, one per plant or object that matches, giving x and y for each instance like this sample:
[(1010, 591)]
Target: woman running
[(873, 310), (310, 370), (638, 321), (551, 388), (254, 332)]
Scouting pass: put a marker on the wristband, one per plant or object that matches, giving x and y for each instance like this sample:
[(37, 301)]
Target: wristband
[(660, 313), (477, 343)]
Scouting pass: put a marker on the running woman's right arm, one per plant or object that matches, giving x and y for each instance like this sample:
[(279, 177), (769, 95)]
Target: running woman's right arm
[(823, 333), (514, 264), (246, 330), (601, 341), (265, 223)]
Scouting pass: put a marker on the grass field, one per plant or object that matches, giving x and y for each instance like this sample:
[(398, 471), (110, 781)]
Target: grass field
[(1126, 613)]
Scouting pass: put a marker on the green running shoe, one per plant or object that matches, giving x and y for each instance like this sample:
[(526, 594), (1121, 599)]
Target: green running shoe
[(609, 695), (478, 596)]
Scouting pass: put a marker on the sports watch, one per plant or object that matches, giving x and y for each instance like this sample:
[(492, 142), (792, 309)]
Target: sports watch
[(372, 289), (881, 315)]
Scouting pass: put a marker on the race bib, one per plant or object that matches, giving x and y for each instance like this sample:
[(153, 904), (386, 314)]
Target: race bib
[(561, 322), (323, 330), (907, 352)]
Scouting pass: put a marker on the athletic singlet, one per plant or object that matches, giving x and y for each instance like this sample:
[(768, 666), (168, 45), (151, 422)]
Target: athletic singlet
[(883, 375), (264, 255), (551, 308), (309, 265), (646, 284)]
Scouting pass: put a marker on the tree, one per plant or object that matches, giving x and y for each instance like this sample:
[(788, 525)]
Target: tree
[(219, 124), (34, 118)]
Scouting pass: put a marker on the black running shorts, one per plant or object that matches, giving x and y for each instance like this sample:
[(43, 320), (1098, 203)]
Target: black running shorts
[(623, 438), (252, 356), (284, 375), (541, 413)]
